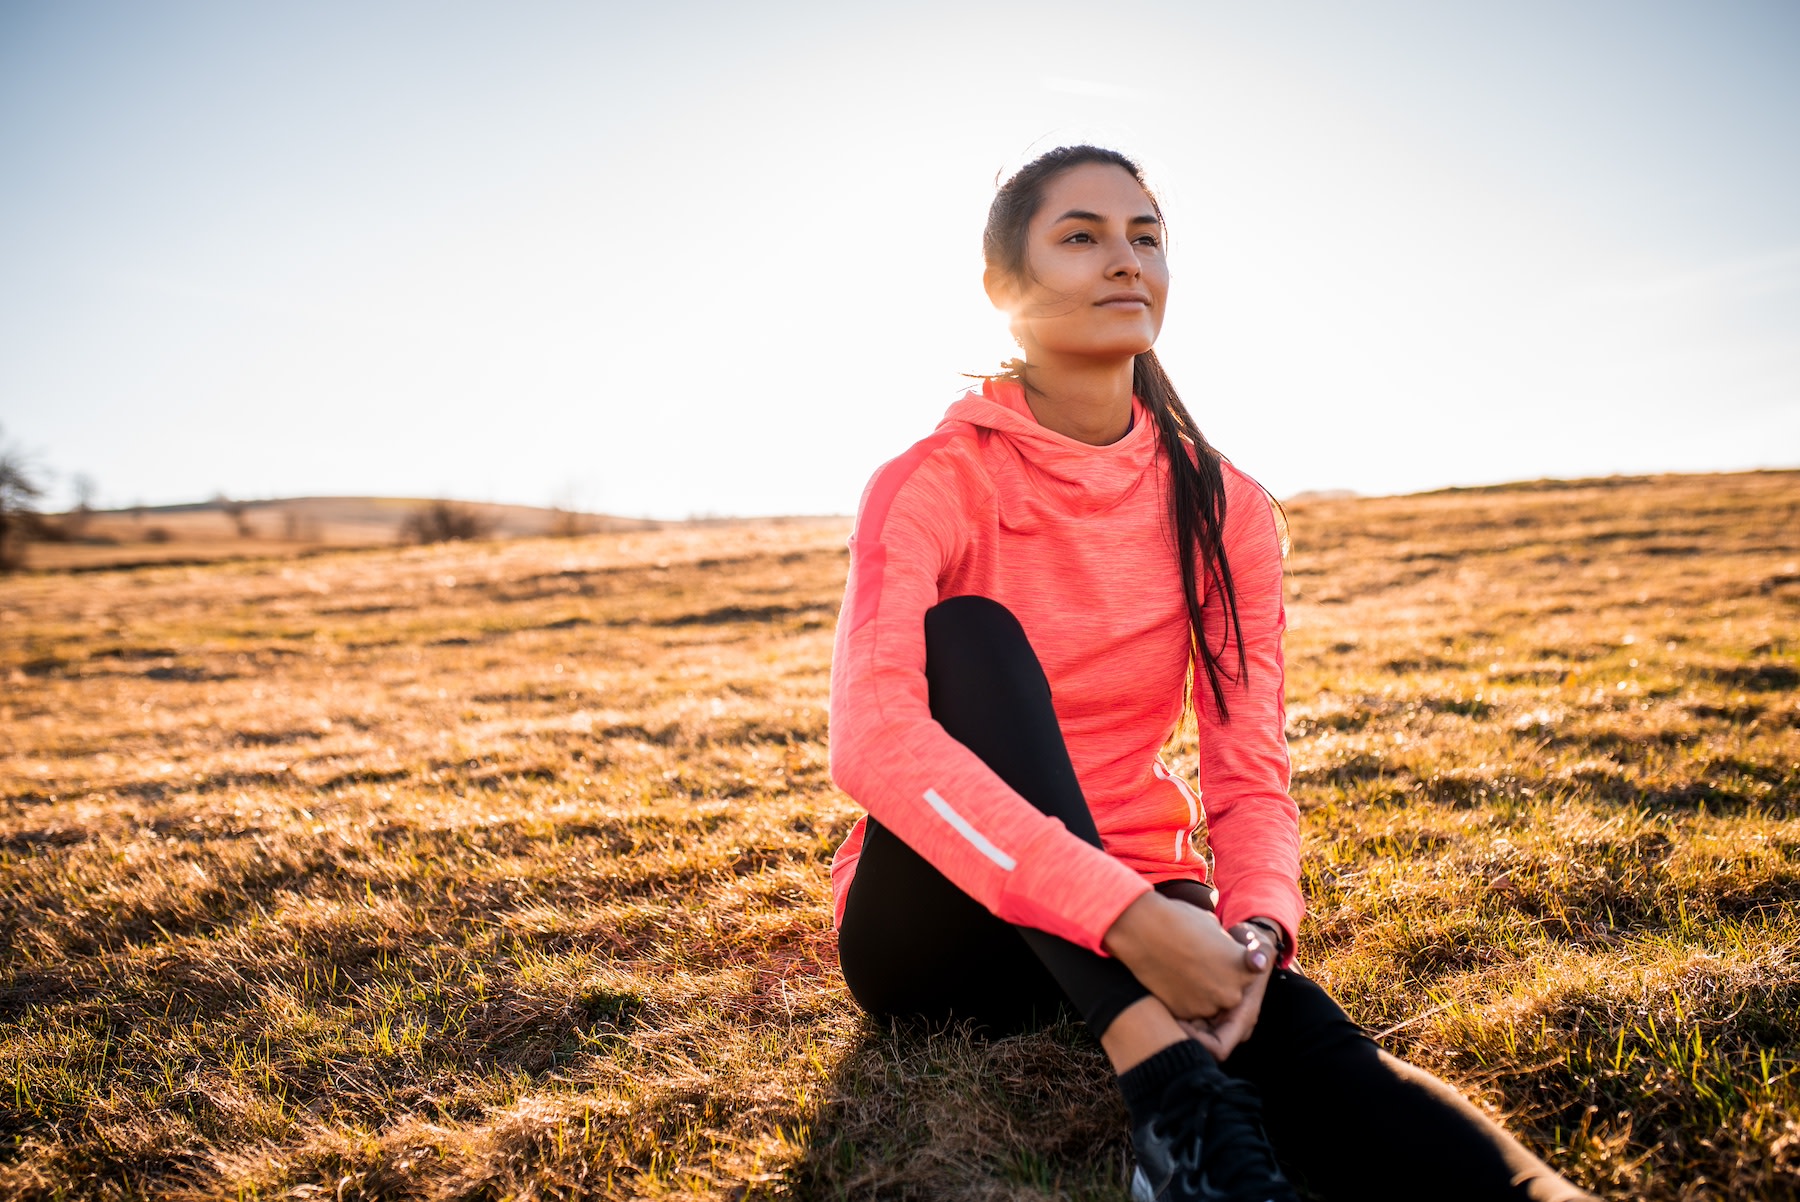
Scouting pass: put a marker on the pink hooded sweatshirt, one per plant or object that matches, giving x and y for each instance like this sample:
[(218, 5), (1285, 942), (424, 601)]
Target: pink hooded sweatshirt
[(1074, 540)]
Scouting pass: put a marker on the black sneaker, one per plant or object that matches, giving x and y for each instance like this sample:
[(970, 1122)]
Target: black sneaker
[(1205, 1143)]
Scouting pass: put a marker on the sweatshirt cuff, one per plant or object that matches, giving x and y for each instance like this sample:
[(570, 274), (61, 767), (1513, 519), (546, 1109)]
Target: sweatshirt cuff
[(1070, 888)]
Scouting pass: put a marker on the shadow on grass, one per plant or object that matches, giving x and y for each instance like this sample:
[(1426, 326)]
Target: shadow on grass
[(941, 1112)]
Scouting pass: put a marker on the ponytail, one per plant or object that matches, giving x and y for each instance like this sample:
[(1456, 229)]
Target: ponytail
[(1197, 521)]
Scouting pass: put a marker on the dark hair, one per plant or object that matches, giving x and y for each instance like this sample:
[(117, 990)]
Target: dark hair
[(1196, 481)]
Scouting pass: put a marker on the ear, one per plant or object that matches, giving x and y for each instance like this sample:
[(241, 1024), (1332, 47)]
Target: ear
[(1002, 291)]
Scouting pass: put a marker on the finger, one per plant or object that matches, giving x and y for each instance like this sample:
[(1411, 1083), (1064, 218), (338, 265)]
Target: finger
[(1197, 1017), (1213, 1044), (1256, 953), (1203, 1034), (1240, 1024), (1194, 1029), (1230, 1033)]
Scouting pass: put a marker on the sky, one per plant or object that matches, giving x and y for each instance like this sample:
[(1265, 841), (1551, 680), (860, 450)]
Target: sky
[(697, 258)]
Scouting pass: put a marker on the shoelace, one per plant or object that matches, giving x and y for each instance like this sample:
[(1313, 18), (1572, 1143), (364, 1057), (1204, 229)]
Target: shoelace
[(1224, 1117)]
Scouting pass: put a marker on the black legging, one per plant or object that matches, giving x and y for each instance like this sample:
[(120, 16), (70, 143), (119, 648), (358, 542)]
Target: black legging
[(1349, 1120)]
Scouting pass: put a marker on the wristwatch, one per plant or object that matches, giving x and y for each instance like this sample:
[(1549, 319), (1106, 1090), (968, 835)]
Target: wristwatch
[(1276, 934)]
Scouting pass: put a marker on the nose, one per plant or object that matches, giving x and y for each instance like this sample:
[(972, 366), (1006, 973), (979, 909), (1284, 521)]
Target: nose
[(1125, 262)]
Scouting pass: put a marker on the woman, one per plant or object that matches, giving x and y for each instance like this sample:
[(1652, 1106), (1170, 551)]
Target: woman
[(1030, 589)]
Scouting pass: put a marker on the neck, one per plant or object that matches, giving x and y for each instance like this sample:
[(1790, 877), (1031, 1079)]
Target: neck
[(1089, 402)]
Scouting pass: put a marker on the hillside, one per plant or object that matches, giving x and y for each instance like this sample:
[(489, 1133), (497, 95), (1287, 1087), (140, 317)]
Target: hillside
[(209, 531), (498, 869)]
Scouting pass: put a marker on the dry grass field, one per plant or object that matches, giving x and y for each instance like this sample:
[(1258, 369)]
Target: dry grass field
[(498, 870)]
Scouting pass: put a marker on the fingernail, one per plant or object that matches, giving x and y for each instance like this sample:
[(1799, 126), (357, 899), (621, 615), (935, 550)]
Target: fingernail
[(1258, 960)]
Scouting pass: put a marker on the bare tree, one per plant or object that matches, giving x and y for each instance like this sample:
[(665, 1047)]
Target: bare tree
[(75, 522), (569, 523), (441, 522), (19, 491), (566, 518), (237, 511), (298, 527)]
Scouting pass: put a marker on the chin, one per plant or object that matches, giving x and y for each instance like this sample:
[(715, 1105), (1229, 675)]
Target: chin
[(1085, 341), (1123, 344), (1125, 350), (1118, 348)]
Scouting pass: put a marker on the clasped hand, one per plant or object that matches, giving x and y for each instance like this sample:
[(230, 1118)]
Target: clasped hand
[(1212, 980)]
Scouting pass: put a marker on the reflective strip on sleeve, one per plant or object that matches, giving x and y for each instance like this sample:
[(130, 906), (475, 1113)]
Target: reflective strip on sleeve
[(982, 843)]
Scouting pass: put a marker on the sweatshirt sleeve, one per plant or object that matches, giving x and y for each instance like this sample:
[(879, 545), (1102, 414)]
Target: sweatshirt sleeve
[(1252, 823), (891, 756)]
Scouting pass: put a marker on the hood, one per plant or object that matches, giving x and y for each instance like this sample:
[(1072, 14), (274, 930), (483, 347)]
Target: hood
[(1070, 476)]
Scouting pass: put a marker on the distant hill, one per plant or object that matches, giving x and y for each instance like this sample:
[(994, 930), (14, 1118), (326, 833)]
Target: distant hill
[(206, 531)]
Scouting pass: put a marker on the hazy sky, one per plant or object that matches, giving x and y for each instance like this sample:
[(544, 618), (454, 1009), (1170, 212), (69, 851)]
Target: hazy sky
[(679, 258)]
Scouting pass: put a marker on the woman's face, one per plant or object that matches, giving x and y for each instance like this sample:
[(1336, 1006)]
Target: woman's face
[(1096, 279)]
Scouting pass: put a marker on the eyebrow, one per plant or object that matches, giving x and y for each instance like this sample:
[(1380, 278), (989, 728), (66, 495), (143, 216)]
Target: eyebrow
[(1084, 215)]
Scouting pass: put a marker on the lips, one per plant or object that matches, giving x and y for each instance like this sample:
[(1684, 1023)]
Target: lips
[(1125, 299)]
